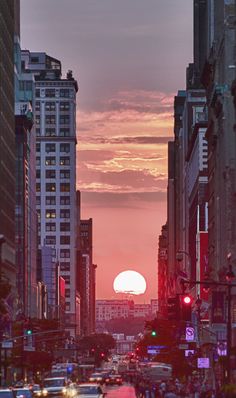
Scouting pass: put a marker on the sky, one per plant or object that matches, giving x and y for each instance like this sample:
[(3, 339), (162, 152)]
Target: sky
[(130, 58)]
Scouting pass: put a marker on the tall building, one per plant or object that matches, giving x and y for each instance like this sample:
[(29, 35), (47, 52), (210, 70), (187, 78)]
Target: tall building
[(7, 141), (55, 123), (162, 270)]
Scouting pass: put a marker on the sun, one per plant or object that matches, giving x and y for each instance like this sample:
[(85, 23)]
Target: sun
[(130, 282)]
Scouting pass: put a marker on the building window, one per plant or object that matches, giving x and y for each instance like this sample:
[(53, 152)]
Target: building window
[(38, 173), (37, 92), (65, 148), (50, 119), (38, 147), (64, 173), (50, 106), (37, 106), (64, 200), (65, 253), (50, 132), (64, 226), (50, 147), (34, 60), (67, 306), (50, 200), (64, 161), (51, 227), (38, 132), (38, 200), (64, 240), (38, 214), (50, 161), (67, 278), (65, 213), (37, 119), (38, 160), (65, 187), (64, 92), (64, 132), (50, 240), (50, 173), (38, 187), (64, 119), (50, 92), (64, 266), (64, 106), (67, 292), (50, 213), (50, 187)]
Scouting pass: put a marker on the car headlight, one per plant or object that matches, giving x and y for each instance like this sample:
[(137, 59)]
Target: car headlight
[(64, 390), (44, 392)]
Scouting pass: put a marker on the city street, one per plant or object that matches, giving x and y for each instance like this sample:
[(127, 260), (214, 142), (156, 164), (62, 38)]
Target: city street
[(124, 391)]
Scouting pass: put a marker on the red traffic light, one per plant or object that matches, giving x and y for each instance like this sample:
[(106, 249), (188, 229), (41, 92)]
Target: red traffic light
[(187, 300)]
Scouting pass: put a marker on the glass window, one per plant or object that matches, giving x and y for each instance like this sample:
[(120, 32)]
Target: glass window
[(50, 132), (67, 291), (64, 200), (50, 173), (64, 173), (38, 132), (38, 173), (37, 119), (38, 187), (65, 253), (38, 200), (64, 161), (64, 226), (51, 226), (65, 187), (64, 106), (50, 200), (50, 92), (50, 187), (64, 92), (50, 106), (37, 92), (38, 147), (65, 213), (64, 119), (64, 240), (50, 119), (50, 160), (50, 213), (34, 60), (50, 240), (50, 147), (38, 160), (64, 132), (65, 148), (64, 266), (37, 105)]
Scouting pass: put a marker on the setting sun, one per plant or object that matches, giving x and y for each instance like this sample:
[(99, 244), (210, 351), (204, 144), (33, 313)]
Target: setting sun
[(130, 282)]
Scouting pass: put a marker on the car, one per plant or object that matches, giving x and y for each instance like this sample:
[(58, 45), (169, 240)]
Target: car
[(23, 392), (114, 379), (90, 390), (55, 386), (97, 378), (7, 393)]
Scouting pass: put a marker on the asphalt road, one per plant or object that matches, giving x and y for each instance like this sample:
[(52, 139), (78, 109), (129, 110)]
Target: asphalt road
[(124, 391)]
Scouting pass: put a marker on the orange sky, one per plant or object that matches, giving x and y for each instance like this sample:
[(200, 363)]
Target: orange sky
[(129, 57)]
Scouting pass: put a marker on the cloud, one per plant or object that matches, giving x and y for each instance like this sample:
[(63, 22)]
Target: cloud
[(124, 200), (142, 140)]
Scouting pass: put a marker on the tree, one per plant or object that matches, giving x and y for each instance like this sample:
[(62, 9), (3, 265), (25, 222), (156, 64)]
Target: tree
[(97, 345)]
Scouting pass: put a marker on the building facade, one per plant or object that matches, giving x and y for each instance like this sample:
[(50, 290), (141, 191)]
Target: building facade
[(55, 126)]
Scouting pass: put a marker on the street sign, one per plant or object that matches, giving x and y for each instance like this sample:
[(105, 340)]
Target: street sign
[(7, 344), (154, 349), (189, 353), (189, 333), (203, 363)]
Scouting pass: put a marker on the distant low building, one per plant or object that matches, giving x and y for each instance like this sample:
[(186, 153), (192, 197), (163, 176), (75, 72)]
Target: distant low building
[(107, 310)]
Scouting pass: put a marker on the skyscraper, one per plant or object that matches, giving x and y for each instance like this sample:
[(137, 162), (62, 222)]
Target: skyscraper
[(55, 122), (7, 141)]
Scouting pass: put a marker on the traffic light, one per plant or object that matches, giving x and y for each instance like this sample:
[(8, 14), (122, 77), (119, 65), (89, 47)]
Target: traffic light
[(186, 307), (173, 308), (29, 332), (153, 333)]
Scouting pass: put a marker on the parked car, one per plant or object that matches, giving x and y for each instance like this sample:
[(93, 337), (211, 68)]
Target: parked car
[(7, 393), (88, 390), (114, 379)]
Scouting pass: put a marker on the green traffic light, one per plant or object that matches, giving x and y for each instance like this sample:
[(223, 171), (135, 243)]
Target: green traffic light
[(29, 332), (154, 333)]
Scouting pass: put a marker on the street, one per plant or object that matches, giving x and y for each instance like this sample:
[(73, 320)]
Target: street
[(124, 391)]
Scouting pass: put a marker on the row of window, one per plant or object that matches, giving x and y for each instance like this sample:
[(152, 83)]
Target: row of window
[(51, 119), (51, 227), (52, 174), (51, 200), (51, 147), (51, 132), (51, 106), (51, 240), (51, 161), (51, 187), (51, 92)]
